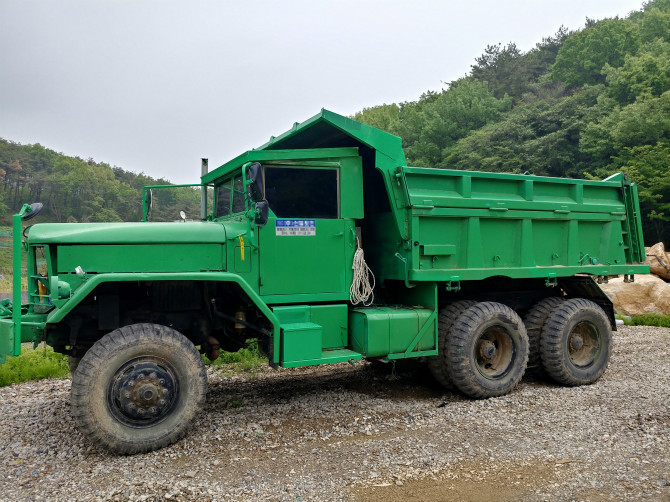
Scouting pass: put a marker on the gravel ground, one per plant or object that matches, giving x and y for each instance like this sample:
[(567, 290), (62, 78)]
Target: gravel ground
[(361, 433)]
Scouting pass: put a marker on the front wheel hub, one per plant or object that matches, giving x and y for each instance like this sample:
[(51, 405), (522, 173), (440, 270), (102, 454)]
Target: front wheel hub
[(143, 391), (577, 342)]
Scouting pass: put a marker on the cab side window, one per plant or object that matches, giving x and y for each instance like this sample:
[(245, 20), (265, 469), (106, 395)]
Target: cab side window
[(222, 197), (238, 195), (302, 193)]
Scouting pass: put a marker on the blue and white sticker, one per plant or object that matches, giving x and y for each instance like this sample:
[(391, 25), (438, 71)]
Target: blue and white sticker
[(295, 227)]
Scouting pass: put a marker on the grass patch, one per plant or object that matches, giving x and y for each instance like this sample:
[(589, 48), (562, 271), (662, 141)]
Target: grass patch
[(33, 364), (246, 360), (651, 320), (6, 285), (43, 362)]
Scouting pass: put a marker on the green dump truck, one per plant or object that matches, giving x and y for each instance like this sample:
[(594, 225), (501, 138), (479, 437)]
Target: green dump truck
[(326, 247)]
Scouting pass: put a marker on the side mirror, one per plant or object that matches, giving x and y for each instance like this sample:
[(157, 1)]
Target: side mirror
[(32, 210), (256, 186), (262, 213)]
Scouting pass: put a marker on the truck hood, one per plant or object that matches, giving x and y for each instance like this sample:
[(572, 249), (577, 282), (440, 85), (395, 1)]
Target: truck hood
[(127, 233)]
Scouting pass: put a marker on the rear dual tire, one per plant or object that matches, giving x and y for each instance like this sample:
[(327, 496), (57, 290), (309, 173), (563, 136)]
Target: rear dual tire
[(438, 365), (534, 321), (483, 351), (487, 349), (575, 342)]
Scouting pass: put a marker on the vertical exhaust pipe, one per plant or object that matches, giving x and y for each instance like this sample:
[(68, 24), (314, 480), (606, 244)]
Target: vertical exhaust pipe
[(203, 191)]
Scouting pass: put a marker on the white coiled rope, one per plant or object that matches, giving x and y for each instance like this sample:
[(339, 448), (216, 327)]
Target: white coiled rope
[(361, 289)]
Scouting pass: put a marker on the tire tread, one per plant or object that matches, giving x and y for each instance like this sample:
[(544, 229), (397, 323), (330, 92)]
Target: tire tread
[(84, 385), (460, 342), (438, 365), (553, 342), (534, 320)]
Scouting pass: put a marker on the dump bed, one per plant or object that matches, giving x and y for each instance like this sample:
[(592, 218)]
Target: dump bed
[(471, 225)]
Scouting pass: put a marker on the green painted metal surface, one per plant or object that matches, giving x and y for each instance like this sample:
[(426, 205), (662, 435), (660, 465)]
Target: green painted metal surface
[(314, 334), (389, 331), (33, 324), (126, 233), (307, 264), (333, 319), (301, 342), (295, 155), (114, 258), (329, 180), (11, 329), (476, 225)]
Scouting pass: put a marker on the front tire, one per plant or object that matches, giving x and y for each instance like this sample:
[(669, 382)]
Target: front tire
[(73, 363), (576, 342), (138, 389), (487, 348)]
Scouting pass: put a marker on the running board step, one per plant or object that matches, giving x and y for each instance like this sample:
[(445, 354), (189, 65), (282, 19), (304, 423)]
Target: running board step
[(302, 347), (329, 356)]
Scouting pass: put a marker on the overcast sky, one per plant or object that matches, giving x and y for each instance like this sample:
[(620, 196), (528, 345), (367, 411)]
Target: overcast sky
[(152, 86)]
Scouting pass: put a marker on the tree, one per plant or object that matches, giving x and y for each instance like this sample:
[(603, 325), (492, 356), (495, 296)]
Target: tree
[(646, 74), (73, 189), (646, 121), (384, 117), (655, 21), (584, 54), (647, 165), (541, 136), (499, 68), (433, 126)]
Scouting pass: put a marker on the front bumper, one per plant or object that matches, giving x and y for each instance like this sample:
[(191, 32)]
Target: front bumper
[(30, 329)]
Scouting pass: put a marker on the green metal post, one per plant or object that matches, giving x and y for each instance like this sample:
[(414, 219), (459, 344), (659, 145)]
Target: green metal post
[(16, 281), (144, 204)]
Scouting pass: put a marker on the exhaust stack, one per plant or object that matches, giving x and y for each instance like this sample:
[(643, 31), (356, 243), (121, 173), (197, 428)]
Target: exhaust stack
[(203, 193)]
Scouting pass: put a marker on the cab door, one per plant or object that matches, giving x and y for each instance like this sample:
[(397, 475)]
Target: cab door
[(306, 247)]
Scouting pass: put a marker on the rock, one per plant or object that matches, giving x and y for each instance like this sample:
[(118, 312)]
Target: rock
[(658, 260), (648, 294)]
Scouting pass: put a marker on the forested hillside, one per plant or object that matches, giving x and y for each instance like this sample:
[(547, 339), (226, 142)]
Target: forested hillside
[(581, 104), (76, 190)]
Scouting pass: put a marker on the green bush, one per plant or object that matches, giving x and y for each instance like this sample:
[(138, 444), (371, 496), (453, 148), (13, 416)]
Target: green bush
[(246, 359), (33, 364), (652, 320)]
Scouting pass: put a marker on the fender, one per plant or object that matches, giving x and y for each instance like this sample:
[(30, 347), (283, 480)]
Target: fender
[(91, 283)]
